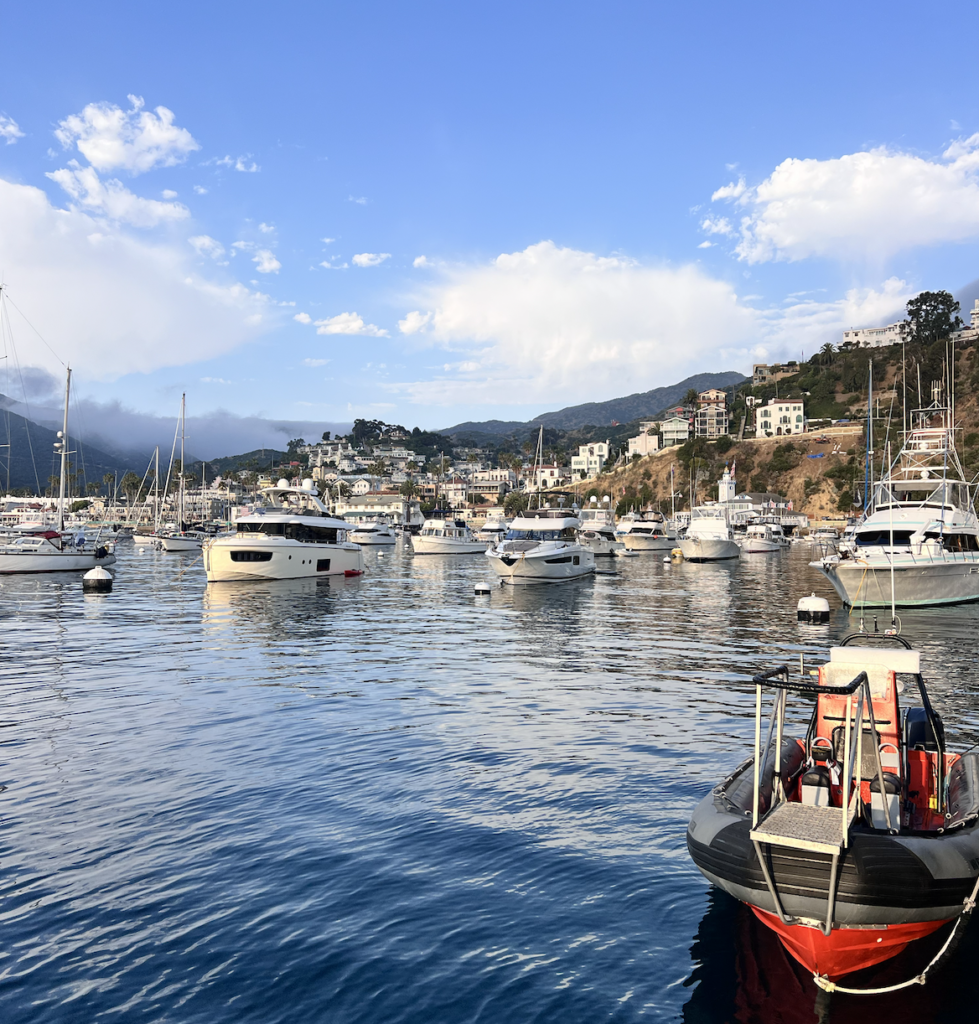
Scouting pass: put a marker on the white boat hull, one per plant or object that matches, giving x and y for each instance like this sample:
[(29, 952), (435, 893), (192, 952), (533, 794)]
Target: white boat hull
[(552, 566), (373, 539), (446, 546), (53, 561), (644, 542), (709, 549), (253, 557), (181, 543), (600, 547), (916, 584), (760, 546)]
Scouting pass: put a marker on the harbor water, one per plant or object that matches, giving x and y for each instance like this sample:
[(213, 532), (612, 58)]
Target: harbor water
[(388, 800)]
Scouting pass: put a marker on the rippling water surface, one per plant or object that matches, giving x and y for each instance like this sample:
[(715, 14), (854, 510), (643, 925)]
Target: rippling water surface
[(387, 800)]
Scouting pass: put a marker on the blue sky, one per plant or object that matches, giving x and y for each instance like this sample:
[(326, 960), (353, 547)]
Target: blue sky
[(530, 205)]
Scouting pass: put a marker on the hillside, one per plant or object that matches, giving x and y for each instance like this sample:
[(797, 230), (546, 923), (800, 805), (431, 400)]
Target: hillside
[(821, 479), (29, 460), (619, 410)]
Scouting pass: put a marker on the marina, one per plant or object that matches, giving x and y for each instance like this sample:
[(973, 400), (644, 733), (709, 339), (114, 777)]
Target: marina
[(421, 761)]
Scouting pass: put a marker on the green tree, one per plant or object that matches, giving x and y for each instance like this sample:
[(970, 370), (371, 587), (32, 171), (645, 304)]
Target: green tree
[(326, 435), (932, 316), (691, 396), (109, 479), (129, 485), (515, 501), (408, 489), (93, 487)]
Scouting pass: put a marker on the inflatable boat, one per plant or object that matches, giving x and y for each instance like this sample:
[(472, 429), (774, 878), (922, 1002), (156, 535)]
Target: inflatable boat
[(860, 836)]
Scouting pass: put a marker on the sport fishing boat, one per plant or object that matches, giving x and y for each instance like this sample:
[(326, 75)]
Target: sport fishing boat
[(860, 835), (373, 531), (44, 547), (446, 537), (598, 530), (542, 546), (709, 537), (766, 537), (919, 544), (293, 537), (646, 531)]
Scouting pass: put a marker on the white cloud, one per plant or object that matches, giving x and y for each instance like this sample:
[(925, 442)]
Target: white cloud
[(359, 200), (370, 259), (420, 261), (200, 190), (327, 264), (348, 323), (109, 301), (245, 164), (315, 362), (168, 193), (414, 322), (113, 199), (9, 130), (266, 229), (862, 206), (559, 325), (716, 225), (303, 318), (705, 245), (214, 380), (327, 241), (207, 246), (134, 140), (266, 262)]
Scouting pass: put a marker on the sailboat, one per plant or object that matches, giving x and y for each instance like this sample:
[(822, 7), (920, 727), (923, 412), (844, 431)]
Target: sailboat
[(149, 539), (43, 549), (182, 539)]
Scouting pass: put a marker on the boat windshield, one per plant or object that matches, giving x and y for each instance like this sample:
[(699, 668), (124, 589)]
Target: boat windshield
[(292, 531), (867, 538), (540, 535)]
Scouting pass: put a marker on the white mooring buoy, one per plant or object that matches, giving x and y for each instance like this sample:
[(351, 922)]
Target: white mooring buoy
[(482, 588), (97, 581), (813, 609)]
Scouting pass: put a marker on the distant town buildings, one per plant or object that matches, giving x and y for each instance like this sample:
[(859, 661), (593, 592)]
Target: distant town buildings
[(762, 373), (551, 475), (712, 419), (676, 430), (780, 417), (875, 337), (589, 460), (647, 440)]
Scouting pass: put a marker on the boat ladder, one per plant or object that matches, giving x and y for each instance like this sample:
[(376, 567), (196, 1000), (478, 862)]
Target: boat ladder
[(796, 826)]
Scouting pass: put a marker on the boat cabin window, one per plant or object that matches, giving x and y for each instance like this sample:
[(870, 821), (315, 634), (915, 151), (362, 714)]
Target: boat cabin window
[(540, 535), (867, 538), (955, 541), (292, 531)]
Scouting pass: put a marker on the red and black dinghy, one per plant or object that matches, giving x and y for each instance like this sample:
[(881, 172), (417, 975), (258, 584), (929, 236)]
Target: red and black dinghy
[(860, 837)]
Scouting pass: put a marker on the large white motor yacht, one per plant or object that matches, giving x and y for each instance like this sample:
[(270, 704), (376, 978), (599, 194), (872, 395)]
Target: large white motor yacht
[(446, 537), (919, 544), (709, 537), (598, 529), (373, 531), (764, 538), (293, 538), (646, 531), (542, 547)]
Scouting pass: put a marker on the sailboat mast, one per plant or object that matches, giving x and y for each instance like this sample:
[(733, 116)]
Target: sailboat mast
[(63, 443), (156, 491), (180, 500)]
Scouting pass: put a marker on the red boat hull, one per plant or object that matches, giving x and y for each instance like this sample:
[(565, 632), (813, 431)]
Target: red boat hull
[(845, 950)]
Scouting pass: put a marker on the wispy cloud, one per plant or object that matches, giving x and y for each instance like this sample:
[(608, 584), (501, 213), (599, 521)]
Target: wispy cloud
[(9, 130), (349, 323), (359, 200), (370, 259)]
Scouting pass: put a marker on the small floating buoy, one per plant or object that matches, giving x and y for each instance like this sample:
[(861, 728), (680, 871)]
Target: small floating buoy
[(666, 558), (813, 609), (482, 588), (97, 581), (352, 572), (677, 554), (381, 554)]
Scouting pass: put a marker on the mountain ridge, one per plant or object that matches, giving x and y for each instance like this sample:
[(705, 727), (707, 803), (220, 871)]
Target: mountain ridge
[(640, 405)]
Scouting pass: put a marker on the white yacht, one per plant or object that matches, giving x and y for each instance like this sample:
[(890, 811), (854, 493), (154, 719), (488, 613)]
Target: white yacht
[(709, 537), (446, 537), (646, 531), (294, 537), (493, 530), (597, 530), (44, 547), (919, 544), (542, 547), (373, 531), (765, 537)]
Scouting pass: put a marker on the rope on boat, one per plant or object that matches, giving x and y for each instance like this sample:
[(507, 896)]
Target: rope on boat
[(199, 558), (830, 986)]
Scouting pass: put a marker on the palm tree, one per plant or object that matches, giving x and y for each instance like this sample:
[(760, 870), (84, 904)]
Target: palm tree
[(93, 487), (109, 479)]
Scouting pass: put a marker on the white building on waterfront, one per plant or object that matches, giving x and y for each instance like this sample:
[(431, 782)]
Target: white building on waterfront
[(876, 337), (676, 430), (647, 440)]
